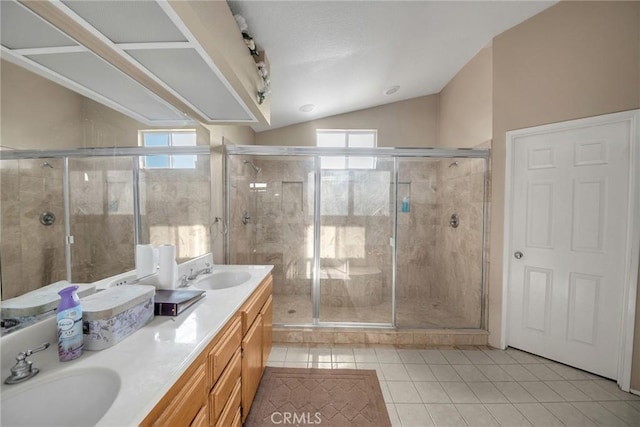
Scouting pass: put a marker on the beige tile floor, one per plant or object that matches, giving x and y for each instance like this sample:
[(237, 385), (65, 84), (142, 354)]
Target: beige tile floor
[(476, 386)]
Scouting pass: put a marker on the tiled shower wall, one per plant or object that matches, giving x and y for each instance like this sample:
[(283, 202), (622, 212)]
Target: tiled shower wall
[(243, 235), (417, 245), (32, 253), (284, 222), (458, 261), (175, 208), (101, 217)]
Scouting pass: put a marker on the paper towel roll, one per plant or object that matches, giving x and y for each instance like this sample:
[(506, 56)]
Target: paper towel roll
[(168, 272), (145, 263)]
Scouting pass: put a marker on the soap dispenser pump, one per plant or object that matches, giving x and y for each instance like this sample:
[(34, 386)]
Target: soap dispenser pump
[(69, 317)]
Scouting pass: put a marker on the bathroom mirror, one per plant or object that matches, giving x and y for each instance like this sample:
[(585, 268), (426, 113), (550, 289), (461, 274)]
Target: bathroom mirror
[(173, 192)]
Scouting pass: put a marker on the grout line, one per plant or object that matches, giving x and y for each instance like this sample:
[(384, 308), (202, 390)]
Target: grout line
[(347, 356)]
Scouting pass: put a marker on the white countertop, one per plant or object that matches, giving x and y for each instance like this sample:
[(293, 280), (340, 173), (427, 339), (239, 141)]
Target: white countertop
[(149, 361)]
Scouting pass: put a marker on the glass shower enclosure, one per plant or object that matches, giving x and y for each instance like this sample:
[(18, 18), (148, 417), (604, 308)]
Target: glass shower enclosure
[(78, 214), (362, 237)]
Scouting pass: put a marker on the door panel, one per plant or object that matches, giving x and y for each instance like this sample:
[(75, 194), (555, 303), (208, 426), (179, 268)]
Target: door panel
[(584, 296), (569, 207), (537, 298), (540, 215)]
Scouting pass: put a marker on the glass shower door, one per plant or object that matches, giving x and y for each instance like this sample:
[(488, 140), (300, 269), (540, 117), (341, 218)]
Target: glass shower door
[(271, 221), (101, 217), (356, 226), (440, 242), (31, 224), (175, 204)]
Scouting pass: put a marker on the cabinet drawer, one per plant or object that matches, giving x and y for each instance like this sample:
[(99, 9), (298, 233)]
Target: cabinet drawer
[(225, 386), (185, 406), (252, 307), (232, 410), (224, 350)]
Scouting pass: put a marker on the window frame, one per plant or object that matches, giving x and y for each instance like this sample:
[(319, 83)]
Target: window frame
[(171, 133), (348, 134)]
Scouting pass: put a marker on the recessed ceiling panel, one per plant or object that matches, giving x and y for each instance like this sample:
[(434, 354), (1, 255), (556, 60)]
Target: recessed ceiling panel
[(22, 29), (128, 21), (90, 71), (185, 71)]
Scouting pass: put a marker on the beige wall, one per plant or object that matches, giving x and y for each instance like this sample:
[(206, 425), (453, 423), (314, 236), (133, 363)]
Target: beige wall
[(410, 123), (575, 59), (40, 114), (465, 114), (26, 96)]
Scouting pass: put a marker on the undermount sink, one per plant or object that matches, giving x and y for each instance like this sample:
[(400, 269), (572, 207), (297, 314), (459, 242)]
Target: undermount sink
[(79, 398), (222, 280)]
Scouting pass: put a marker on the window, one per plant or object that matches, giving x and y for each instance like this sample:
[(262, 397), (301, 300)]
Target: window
[(349, 138), (168, 138)]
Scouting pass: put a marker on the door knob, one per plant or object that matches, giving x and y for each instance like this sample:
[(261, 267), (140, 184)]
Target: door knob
[(518, 254)]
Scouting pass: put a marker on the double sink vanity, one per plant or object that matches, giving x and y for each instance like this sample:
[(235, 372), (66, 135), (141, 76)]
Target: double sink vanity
[(200, 368)]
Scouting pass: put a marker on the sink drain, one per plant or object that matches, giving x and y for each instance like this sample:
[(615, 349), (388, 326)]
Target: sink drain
[(291, 311)]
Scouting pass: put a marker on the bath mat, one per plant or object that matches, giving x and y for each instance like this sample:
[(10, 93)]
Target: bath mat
[(318, 397)]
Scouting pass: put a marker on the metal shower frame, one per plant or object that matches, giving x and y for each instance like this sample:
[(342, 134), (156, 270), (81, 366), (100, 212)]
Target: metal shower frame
[(134, 152), (396, 154)]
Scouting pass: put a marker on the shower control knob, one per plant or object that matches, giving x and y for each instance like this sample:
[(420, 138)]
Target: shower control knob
[(47, 218), (518, 255)]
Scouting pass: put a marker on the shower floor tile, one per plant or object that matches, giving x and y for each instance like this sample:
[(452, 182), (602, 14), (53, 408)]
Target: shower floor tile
[(297, 309)]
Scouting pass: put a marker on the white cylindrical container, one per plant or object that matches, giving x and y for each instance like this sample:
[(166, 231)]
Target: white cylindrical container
[(146, 260), (168, 271)]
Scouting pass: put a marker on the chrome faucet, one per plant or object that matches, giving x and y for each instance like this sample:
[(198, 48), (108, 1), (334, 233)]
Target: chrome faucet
[(184, 281), (206, 270), (23, 369)]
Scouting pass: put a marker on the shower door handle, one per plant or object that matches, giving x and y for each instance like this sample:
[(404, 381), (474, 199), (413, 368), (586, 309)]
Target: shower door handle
[(518, 254)]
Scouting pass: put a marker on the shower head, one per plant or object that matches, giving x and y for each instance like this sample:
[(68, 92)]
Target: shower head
[(454, 164), (250, 163), (46, 165)]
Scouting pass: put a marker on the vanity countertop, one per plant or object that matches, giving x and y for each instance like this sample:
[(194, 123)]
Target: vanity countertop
[(151, 360)]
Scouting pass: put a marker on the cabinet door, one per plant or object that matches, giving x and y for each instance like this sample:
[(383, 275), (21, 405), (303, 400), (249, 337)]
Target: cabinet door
[(254, 304), (185, 406), (202, 419), (251, 364), (267, 330)]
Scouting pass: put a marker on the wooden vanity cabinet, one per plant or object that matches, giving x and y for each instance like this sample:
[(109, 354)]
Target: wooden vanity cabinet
[(267, 329), (185, 403), (218, 388), (257, 321)]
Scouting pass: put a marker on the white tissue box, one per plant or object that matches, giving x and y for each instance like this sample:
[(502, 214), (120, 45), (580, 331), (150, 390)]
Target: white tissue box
[(110, 316)]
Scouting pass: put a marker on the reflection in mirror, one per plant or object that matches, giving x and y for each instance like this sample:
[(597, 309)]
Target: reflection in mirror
[(104, 192)]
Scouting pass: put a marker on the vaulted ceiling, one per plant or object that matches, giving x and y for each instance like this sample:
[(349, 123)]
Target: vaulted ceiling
[(342, 56)]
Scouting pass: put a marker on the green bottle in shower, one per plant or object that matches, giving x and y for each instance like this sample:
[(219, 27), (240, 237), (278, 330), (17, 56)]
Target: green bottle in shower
[(405, 204)]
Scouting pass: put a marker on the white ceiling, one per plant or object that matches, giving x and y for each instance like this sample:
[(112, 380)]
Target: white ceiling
[(342, 55)]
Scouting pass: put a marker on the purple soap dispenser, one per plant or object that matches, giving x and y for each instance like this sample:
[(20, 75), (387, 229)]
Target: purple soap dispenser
[(69, 317)]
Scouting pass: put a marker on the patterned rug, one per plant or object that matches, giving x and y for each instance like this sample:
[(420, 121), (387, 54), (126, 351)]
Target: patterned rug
[(318, 397)]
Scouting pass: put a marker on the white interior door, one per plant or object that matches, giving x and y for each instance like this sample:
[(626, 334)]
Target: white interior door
[(569, 240)]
